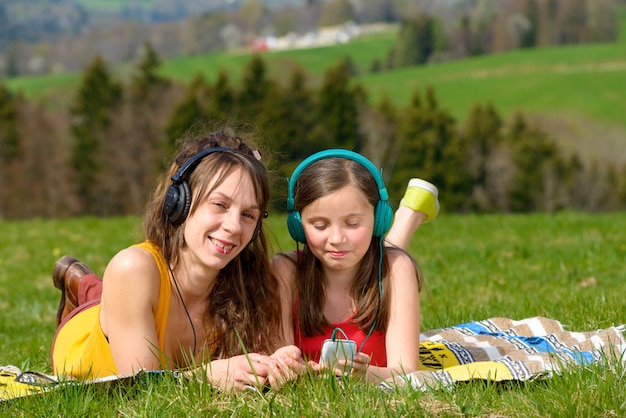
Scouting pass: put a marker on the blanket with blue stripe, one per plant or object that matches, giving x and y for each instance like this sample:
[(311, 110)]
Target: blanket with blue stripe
[(501, 349)]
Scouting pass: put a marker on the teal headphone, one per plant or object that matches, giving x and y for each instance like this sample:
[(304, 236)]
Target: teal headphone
[(383, 213)]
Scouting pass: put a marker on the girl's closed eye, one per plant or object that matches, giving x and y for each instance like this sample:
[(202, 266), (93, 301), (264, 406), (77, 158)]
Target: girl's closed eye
[(320, 225), (353, 223)]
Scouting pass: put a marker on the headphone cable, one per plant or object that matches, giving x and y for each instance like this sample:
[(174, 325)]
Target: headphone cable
[(180, 296), (380, 292)]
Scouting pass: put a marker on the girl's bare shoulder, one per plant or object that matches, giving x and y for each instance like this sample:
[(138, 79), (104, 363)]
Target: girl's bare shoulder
[(284, 266)]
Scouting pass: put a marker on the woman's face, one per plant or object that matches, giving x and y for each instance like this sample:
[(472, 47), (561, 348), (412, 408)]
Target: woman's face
[(224, 221), (339, 228)]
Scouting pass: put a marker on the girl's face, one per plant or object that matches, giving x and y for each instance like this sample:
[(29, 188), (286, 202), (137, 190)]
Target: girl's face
[(339, 228), (223, 222)]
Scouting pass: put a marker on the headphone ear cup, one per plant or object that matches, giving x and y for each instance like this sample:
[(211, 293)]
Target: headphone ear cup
[(177, 203), (294, 225), (383, 217)]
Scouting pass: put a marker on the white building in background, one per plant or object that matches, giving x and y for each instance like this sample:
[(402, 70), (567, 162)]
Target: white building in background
[(331, 35)]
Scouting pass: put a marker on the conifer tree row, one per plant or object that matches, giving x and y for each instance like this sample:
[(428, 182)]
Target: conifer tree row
[(122, 133)]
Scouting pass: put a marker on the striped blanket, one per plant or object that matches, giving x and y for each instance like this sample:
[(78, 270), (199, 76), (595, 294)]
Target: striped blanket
[(495, 349), (500, 349)]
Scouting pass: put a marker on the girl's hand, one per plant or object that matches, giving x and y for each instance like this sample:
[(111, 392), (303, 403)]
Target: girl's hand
[(357, 366), (360, 364)]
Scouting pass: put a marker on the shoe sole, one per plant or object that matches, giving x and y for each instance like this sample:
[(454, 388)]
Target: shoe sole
[(58, 275)]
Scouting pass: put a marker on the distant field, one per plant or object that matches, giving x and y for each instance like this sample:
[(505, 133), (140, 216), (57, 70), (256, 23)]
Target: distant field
[(575, 82), (580, 80)]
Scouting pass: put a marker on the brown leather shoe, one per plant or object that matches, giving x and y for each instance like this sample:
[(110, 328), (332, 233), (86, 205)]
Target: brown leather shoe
[(66, 274)]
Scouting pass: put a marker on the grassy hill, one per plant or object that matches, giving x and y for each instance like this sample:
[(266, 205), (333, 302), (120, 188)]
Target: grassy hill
[(575, 86)]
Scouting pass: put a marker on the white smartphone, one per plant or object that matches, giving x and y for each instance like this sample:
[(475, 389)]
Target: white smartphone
[(334, 350)]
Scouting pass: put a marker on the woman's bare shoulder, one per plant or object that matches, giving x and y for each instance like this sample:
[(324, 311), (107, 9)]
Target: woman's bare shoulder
[(132, 262)]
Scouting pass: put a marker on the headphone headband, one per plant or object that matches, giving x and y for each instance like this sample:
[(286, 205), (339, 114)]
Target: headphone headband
[(335, 153), (383, 211), (194, 160)]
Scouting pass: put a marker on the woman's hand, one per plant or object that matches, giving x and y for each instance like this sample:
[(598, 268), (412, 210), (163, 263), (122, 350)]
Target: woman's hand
[(289, 366), (241, 372)]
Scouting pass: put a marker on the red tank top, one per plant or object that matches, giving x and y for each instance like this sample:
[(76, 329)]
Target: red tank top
[(374, 346)]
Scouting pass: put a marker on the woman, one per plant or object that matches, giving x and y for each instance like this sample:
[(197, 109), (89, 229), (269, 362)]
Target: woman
[(197, 291)]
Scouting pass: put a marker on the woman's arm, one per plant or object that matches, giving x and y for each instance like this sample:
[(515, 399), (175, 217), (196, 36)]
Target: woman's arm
[(130, 294)]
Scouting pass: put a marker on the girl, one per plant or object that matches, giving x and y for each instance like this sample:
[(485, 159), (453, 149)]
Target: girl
[(196, 291), (346, 278)]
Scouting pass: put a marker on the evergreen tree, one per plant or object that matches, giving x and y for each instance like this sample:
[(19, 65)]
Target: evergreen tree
[(481, 138), (91, 111), (9, 136), (188, 112), (621, 191), (11, 59), (255, 88), (290, 118), (530, 36), (286, 122), (137, 128), (535, 157), (611, 189), (145, 77), (379, 130), (428, 149), (10, 148), (415, 43), (221, 103), (573, 179), (338, 115)]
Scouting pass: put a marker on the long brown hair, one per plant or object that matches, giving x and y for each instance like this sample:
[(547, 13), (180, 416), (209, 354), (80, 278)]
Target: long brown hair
[(244, 305), (318, 180)]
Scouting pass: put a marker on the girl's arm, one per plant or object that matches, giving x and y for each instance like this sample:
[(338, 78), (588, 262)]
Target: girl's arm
[(403, 328), (284, 268)]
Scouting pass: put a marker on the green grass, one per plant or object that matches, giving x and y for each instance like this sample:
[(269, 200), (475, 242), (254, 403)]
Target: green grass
[(576, 80), (573, 82), (621, 16), (361, 51), (316, 60), (567, 266)]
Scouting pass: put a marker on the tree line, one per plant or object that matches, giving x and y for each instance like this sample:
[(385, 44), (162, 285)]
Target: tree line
[(100, 155)]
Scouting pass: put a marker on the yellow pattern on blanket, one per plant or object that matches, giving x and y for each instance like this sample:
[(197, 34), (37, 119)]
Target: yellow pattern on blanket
[(15, 384)]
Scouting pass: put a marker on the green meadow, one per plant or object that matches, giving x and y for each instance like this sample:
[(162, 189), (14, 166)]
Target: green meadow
[(566, 266), (572, 81)]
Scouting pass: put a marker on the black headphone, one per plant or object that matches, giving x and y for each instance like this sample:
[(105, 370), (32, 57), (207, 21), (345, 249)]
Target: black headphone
[(178, 197)]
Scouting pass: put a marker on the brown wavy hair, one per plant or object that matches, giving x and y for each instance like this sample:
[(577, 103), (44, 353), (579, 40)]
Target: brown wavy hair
[(243, 308), (320, 179)]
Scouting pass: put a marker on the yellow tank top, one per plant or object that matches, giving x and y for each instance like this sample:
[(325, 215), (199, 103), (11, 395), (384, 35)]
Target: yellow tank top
[(80, 348)]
